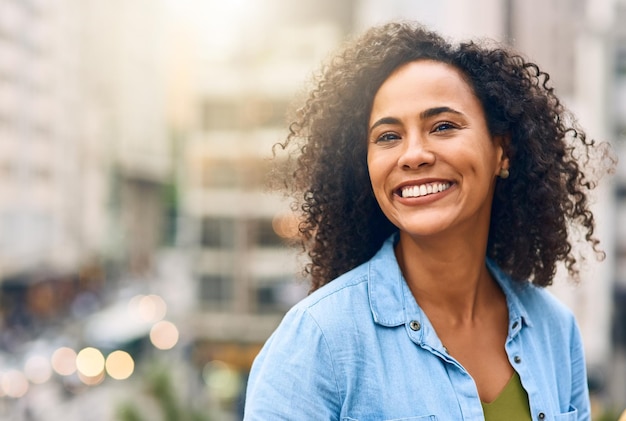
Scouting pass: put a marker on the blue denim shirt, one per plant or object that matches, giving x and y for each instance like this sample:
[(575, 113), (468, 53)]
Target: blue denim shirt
[(360, 348)]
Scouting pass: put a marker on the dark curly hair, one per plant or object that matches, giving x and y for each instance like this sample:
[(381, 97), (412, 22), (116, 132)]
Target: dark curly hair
[(533, 210)]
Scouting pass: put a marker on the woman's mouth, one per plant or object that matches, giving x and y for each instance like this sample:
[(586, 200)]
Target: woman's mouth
[(423, 189)]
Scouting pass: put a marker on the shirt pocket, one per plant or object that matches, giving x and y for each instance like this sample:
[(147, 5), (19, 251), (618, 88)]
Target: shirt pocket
[(572, 415), (422, 418)]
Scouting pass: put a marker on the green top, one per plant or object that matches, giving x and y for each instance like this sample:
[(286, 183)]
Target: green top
[(511, 404)]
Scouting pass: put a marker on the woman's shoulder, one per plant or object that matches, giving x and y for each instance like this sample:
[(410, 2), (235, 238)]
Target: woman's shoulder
[(349, 289), (543, 302), (536, 303), (318, 322), (545, 311)]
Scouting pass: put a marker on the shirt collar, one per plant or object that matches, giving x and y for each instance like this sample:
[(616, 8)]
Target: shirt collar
[(512, 290), (387, 288), (385, 284)]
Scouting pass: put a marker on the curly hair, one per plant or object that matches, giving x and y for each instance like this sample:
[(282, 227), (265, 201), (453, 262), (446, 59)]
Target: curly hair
[(533, 210)]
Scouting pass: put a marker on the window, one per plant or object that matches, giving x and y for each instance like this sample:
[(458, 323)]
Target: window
[(220, 115), (218, 232), (262, 234), (216, 291), (259, 113), (222, 174), (243, 113), (619, 93), (247, 173)]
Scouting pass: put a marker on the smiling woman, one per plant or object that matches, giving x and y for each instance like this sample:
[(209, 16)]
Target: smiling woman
[(438, 185), (428, 129)]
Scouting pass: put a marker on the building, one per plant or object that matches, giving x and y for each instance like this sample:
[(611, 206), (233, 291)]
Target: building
[(84, 152), (616, 368), (234, 227)]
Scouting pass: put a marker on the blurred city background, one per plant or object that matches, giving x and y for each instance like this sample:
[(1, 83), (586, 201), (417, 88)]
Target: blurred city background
[(143, 261)]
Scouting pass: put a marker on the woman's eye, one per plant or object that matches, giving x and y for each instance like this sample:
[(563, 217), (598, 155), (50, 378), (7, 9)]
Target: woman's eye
[(387, 137), (443, 126)]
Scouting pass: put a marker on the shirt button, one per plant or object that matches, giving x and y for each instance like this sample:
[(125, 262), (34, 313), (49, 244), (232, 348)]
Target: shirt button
[(542, 416), (518, 360), (415, 325), (515, 324)]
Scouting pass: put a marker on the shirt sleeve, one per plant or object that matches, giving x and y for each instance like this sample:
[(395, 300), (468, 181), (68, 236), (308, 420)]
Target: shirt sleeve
[(580, 389), (293, 377)]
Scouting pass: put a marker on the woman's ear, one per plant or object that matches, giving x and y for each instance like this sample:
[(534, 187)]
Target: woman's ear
[(503, 143), (505, 163)]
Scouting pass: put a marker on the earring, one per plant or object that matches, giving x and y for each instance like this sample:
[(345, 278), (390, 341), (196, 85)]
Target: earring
[(504, 173)]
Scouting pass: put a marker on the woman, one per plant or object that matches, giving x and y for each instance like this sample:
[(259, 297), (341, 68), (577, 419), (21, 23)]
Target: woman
[(437, 185)]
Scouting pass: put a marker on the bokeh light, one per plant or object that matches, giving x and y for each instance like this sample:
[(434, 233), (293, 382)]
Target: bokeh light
[(149, 308), (120, 365), (14, 383), (64, 361), (164, 335), (37, 369), (222, 380), (90, 362), (285, 225), (91, 380), (152, 308)]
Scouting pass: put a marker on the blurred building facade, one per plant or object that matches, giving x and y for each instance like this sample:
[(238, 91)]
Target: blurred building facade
[(75, 102), (617, 124), (84, 155), (35, 221), (235, 228), (47, 133)]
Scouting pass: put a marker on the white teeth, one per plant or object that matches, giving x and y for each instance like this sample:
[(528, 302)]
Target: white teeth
[(424, 189)]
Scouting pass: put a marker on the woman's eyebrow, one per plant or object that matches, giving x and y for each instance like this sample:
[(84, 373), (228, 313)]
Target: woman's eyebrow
[(385, 120), (431, 112)]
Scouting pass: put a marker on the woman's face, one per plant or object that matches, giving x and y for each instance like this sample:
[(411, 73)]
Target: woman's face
[(431, 159)]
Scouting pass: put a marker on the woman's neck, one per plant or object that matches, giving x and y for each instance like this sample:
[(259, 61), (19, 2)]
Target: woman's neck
[(448, 277)]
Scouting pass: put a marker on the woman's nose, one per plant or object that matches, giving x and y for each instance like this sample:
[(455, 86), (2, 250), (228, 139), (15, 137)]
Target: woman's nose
[(416, 153)]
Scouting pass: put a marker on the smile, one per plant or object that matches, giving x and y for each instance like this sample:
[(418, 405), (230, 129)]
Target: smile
[(424, 189)]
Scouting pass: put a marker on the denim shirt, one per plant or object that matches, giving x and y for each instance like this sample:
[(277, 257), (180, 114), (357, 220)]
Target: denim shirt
[(360, 348)]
